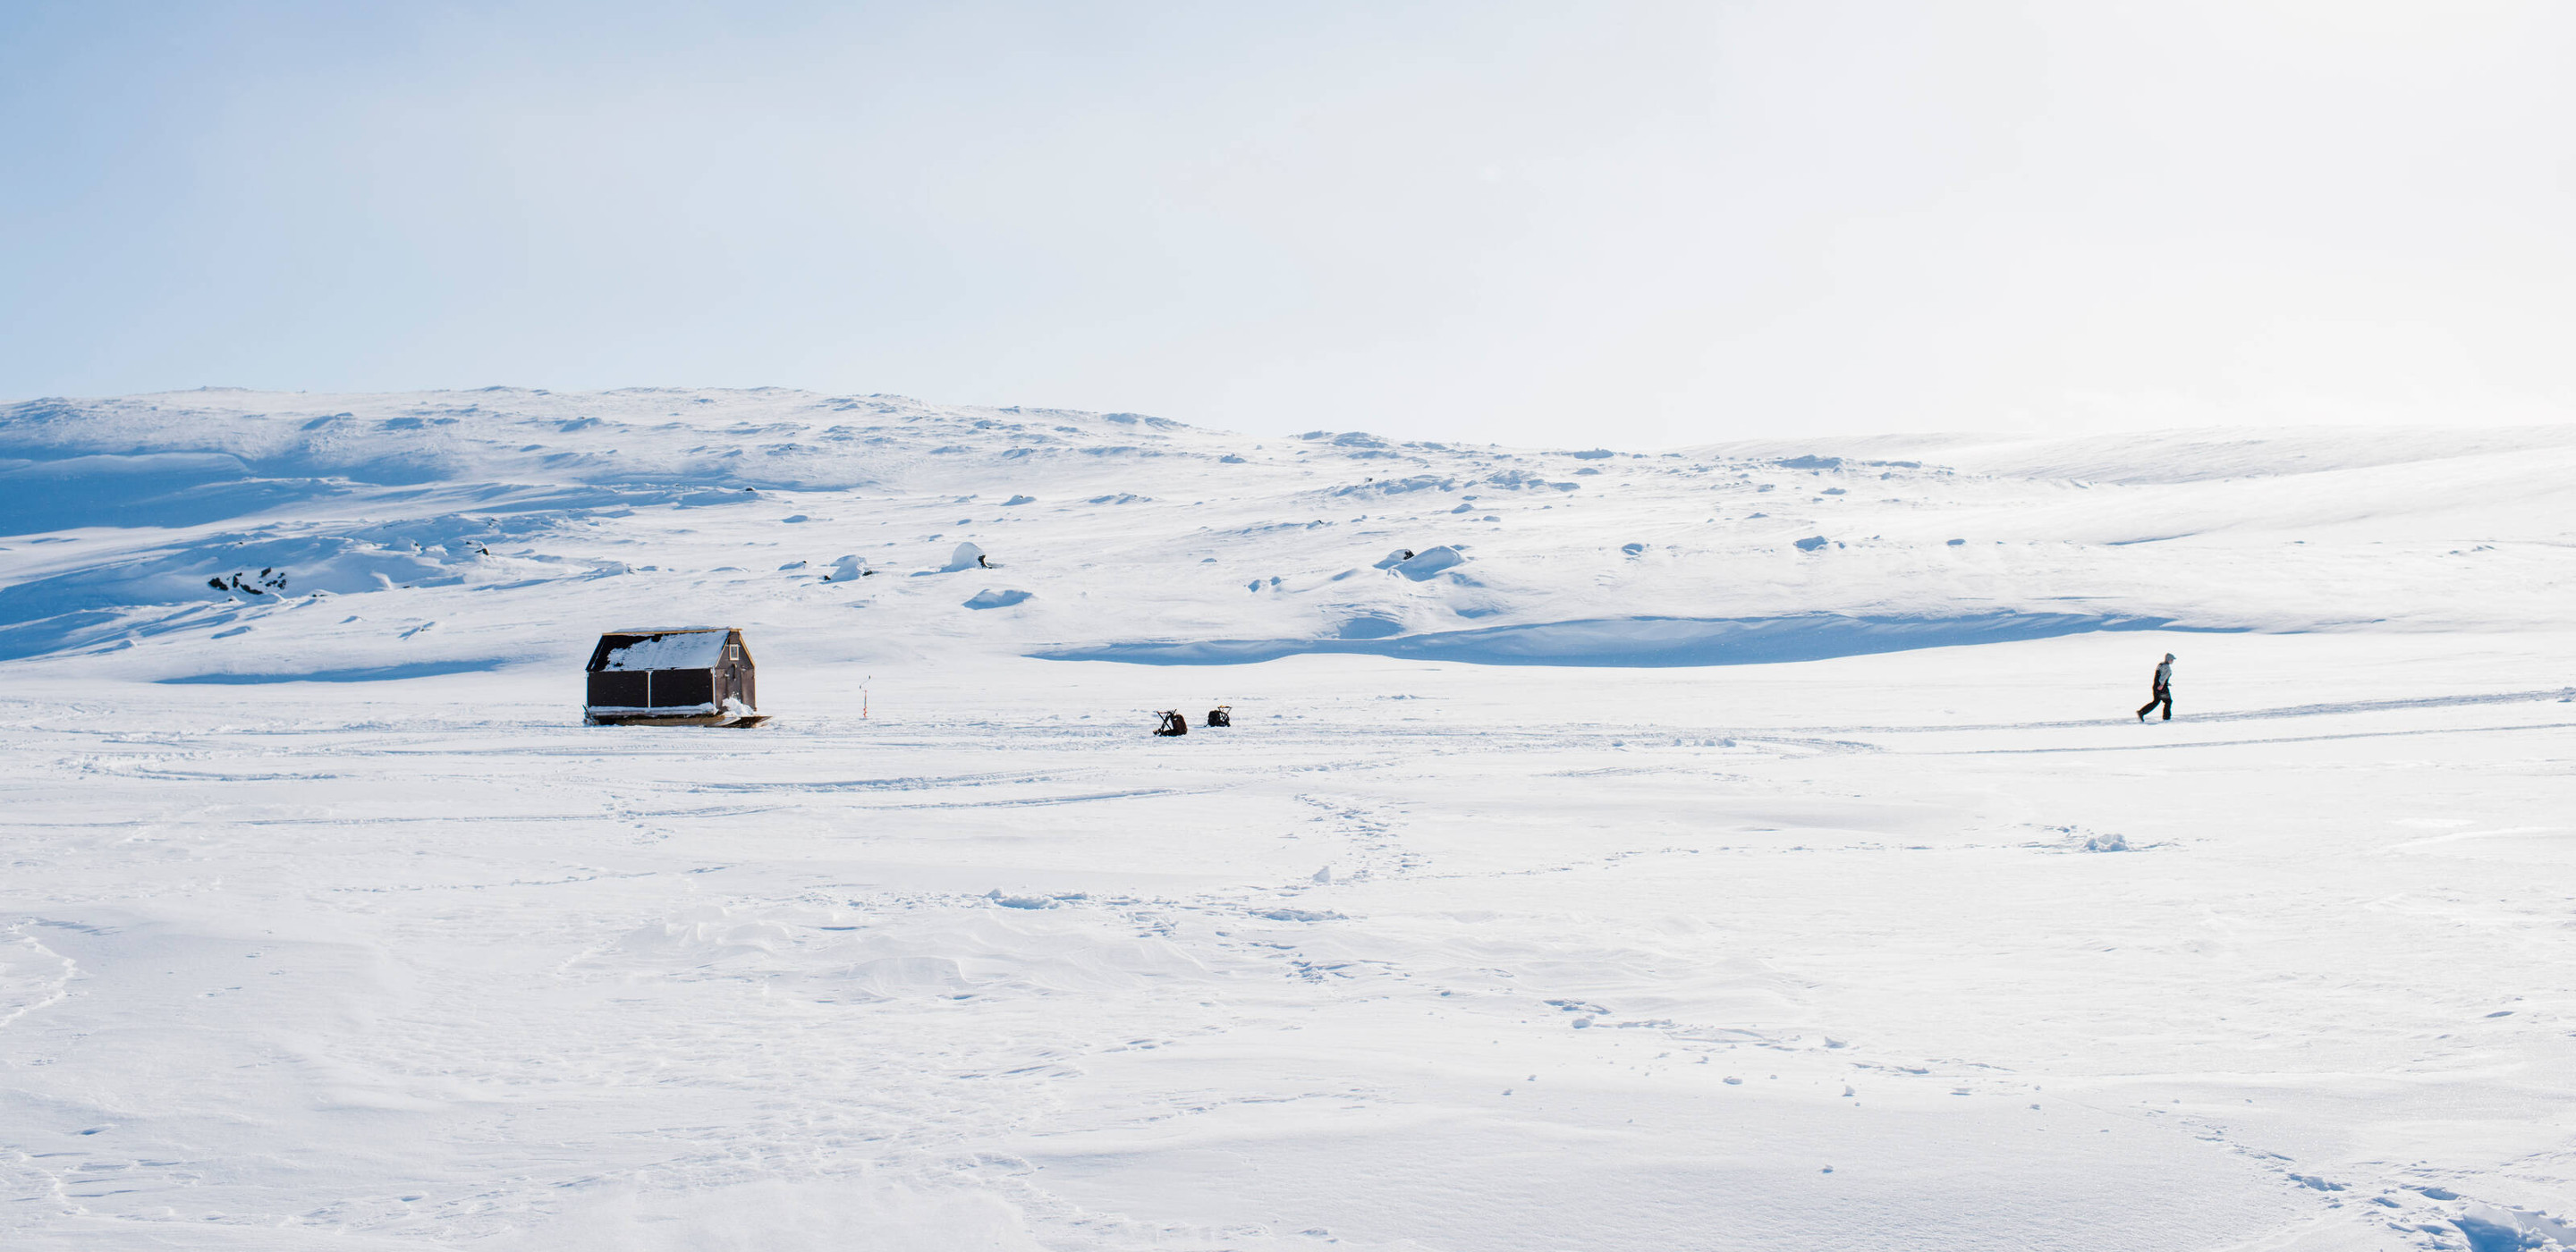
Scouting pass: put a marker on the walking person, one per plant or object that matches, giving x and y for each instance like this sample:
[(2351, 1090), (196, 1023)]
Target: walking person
[(2163, 691)]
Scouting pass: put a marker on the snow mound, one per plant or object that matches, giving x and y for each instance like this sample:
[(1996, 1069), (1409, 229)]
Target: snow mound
[(1430, 561)]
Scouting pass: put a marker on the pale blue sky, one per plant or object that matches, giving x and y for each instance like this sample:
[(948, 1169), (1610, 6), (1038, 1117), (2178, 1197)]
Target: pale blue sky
[(1646, 224)]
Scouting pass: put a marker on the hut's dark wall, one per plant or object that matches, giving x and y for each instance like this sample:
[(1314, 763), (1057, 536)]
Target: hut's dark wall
[(659, 689), (621, 689), (675, 687)]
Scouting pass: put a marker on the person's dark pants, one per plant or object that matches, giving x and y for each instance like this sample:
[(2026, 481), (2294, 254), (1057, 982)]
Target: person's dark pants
[(2164, 698)]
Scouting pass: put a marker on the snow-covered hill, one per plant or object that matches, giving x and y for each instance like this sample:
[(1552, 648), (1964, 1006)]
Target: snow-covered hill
[(1140, 538), (1749, 846)]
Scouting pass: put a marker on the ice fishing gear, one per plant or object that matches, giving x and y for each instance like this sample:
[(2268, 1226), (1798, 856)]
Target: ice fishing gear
[(1173, 723), (1221, 715)]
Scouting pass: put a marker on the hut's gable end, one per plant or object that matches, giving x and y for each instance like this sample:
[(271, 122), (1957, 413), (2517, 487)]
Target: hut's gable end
[(737, 681)]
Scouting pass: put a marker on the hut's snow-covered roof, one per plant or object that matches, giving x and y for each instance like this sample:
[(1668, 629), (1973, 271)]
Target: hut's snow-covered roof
[(693, 649)]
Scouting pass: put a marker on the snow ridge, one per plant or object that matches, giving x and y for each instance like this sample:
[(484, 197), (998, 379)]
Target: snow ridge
[(149, 516)]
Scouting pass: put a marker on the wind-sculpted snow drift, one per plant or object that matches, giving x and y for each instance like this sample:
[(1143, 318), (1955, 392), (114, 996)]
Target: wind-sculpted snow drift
[(1745, 847)]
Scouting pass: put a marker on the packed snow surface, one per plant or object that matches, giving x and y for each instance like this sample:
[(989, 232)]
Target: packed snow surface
[(1751, 846)]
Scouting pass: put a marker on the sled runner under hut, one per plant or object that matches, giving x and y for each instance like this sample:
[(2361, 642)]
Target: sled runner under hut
[(684, 676)]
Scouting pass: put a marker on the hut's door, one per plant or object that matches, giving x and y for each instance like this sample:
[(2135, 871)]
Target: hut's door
[(737, 676)]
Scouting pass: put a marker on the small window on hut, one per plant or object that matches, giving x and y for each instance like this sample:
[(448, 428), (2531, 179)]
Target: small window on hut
[(733, 652)]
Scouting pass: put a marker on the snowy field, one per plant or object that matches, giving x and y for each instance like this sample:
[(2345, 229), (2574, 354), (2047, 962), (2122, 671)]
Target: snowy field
[(1750, 847)]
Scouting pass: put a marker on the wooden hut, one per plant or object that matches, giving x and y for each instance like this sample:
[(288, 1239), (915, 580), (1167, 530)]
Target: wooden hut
[(683, 676)]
